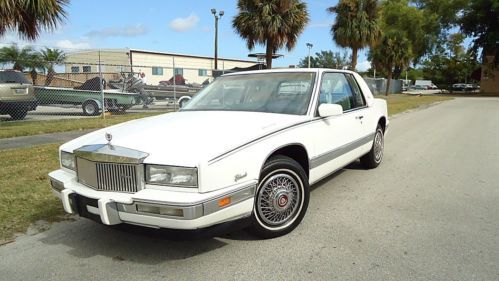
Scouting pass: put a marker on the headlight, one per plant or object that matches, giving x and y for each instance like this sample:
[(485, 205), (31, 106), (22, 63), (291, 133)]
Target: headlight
[(68, 160), (169, 175)]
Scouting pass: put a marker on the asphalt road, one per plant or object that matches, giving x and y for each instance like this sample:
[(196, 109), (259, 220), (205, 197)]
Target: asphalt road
[(429, 212)]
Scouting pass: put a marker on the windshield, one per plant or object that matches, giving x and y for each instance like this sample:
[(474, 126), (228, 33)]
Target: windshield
[(12, 77), (287, 93)]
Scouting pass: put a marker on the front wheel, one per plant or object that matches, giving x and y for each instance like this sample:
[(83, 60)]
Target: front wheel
[(373, 158), (282, 198)]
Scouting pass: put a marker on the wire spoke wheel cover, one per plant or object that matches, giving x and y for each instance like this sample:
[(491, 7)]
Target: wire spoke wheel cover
[(279, 199), (378, 146)]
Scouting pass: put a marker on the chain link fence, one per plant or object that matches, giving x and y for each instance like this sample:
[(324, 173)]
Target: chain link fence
[(378, 85), (91, 83)]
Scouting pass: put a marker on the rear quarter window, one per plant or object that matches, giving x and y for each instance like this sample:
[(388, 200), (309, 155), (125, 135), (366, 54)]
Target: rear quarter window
[(13, 77)]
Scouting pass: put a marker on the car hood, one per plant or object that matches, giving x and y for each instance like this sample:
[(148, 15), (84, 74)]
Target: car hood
[(188, 138)]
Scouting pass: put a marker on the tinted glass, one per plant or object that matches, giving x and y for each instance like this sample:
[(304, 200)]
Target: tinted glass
[(13, 77), (357, 94), (286, 93), (336, 89)]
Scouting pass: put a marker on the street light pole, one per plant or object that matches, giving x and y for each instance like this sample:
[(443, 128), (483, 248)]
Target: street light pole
[(309, 45), (217, 17)]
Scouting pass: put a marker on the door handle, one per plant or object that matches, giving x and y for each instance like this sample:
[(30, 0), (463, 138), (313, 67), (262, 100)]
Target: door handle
[(359, 117)]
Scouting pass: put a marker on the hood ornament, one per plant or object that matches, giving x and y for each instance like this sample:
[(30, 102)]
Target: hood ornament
[(109, 137)]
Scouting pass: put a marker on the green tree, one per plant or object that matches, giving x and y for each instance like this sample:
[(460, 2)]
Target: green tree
[(480, 20), (51, 58), (20, 58), (272, 23), (326, 59), (394, 50), (356, 25), (446, 11), (451, 63), (29, 17), (419, 26), (35, 64)]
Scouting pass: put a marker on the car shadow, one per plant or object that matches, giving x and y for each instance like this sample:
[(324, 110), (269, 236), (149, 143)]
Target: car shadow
[(355, 166), (86, 239)]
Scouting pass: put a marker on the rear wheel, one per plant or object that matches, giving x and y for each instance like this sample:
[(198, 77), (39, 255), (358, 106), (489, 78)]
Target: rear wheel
[(90, 108), (18, 114), (281, 199), (374, 157)]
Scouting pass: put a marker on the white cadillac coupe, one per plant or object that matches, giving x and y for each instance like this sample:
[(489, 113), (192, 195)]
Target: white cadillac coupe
[(248, 145)]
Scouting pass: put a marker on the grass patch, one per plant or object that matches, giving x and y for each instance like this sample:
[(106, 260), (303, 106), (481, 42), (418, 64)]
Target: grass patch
[(28, 128), (399, 102), (26, 195)]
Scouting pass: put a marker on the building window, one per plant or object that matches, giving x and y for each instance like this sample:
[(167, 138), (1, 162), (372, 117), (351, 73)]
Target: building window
[(75, 69), (202, 72), (179, 71), (87, 68), (157, 71)]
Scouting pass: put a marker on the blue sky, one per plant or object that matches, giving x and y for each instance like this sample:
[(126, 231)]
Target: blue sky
[(185, 27)]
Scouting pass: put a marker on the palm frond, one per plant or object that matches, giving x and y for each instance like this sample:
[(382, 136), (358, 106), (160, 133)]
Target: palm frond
[(274, 22)]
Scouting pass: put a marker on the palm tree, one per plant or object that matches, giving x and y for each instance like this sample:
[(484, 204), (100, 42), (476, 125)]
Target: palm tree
[(35, 64), (272, 23), (394, 50), (356, 25), (28, 17), (19, 58), (51, 58)]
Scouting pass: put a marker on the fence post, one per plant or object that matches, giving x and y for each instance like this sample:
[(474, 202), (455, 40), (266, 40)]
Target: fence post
[(101, 89), (174, 86)]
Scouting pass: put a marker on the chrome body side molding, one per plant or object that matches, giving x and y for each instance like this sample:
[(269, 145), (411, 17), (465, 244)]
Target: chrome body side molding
[(337, 152)]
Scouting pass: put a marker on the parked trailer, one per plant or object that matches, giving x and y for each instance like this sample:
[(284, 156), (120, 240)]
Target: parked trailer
[(91, 101)]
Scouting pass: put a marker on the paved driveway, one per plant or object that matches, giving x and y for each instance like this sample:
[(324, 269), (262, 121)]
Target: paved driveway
[(429, 212)]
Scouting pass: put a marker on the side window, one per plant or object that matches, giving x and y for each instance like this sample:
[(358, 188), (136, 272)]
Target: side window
[(336, 89), (358, 97)]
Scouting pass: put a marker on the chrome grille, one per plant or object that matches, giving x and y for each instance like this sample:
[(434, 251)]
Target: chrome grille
[(109, 176), (117, 177)]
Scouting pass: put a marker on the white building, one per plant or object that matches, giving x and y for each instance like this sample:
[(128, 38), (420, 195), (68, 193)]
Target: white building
[(157, 66)]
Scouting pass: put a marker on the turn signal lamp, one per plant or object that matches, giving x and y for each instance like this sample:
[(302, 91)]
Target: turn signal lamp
[(224, 202)]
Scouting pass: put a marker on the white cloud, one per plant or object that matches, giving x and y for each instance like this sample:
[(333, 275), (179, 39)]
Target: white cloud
[(184, 24), (10, 38), (127, 31), (363, 66), (68, 44)]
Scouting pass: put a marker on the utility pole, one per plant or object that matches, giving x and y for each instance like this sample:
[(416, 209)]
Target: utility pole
[(309, 45), (217, 17)]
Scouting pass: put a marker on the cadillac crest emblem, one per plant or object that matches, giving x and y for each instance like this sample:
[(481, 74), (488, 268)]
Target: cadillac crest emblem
[(109, 137)]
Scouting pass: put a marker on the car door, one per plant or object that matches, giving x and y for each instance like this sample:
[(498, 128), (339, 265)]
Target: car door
[(363, 113), (337, 137)]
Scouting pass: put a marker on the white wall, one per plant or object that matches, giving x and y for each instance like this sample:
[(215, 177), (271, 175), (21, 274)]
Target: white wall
[(191, 65)]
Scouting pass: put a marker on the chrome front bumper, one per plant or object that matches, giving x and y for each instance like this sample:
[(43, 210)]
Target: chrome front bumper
[(147, 209)]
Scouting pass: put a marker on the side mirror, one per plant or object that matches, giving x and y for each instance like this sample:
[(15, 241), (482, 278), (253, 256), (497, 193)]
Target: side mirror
[(183, 101), (327, 109)]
